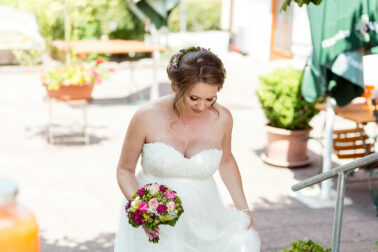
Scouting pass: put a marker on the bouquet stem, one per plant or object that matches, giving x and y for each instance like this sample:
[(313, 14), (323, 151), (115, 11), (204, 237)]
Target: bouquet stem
[(155, 239)]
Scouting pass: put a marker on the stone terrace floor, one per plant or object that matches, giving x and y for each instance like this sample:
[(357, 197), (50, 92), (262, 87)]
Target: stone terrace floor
[(72, 187)]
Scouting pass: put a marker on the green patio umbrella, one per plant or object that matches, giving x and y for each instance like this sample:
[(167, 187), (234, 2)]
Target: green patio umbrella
[(341, 31), (157, 11)]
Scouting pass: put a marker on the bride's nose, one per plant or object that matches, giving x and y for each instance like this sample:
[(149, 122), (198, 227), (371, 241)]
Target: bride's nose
[(201, 105)]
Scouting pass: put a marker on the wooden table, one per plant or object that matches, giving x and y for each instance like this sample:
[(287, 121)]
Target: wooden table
[(116, 47), (108, 46), (360, 113)]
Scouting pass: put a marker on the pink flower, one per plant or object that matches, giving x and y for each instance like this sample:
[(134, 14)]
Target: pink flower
[(99, 60), (141, 191), (82, 55), (162, 208), (142, 206), (128, 205), (95, 73), (153, 203), (163, 188), (170, 195), (98, 81), (154, 188), (171, 205)]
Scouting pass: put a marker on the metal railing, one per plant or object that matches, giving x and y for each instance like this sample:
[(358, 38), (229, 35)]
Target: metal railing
[(341, 172)]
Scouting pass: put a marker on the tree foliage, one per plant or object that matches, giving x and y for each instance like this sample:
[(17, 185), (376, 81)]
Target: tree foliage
[(88, 19), (287, 3), (200, 16)]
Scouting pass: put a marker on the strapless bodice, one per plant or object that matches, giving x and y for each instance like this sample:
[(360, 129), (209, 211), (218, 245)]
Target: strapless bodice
[(162, 160)]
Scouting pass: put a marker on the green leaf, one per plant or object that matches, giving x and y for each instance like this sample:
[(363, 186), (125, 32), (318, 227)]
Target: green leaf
[(282, 102)]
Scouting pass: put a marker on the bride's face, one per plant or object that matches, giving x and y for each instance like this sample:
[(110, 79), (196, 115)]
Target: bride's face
[(200, 97)]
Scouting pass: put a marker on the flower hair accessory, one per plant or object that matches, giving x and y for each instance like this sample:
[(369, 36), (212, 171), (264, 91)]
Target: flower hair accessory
[(183, 51), (177, 57)]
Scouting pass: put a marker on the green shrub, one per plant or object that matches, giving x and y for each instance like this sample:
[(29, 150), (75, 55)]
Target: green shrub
[(305, 246), (282, 102), (200, 16), (30, 57), (287, 3), (88, 19)]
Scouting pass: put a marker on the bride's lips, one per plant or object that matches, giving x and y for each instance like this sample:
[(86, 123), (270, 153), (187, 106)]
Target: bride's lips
[(197, 111)]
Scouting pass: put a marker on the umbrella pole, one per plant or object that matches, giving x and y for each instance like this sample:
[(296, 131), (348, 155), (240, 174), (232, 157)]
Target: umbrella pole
[(326, 185)]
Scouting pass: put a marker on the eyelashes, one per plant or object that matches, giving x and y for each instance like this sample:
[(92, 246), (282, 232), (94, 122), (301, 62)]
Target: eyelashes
[(195, 99)]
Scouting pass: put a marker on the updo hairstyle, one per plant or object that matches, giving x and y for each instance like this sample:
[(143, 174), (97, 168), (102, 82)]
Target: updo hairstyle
[(193, 67)]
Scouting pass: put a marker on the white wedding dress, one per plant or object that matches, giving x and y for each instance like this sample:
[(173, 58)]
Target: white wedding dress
[(206, 224)]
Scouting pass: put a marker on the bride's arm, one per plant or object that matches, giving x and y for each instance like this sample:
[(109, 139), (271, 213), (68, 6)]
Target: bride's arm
[(229, 170), (131, 149)]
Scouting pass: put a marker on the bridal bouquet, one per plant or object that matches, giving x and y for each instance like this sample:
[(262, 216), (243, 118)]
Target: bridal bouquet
[(154, 205)]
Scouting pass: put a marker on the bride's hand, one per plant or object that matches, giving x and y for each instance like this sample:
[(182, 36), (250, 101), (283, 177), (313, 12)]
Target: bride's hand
[(151, 233), (251, 223)]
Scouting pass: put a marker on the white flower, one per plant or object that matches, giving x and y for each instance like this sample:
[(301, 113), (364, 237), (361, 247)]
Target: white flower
[(171, 214), (134, 204)]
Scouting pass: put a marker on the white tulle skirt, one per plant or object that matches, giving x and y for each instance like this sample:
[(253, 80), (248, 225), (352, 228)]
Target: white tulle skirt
[(205, 226)]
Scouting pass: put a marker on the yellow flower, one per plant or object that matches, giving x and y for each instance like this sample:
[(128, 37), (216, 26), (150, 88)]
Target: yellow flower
[(146, 217)]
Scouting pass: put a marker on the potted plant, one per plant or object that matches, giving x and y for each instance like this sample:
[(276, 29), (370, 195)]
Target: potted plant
[(305, 246), (288, 115), (74, 81)]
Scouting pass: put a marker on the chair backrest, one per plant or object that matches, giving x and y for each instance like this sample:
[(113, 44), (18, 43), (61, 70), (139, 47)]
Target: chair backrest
[(348, 143)]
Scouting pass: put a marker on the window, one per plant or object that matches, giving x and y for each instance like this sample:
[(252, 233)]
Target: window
[(282, 29)]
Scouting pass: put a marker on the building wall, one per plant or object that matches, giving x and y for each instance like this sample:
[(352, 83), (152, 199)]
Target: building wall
[(252, 26), (301, 44)]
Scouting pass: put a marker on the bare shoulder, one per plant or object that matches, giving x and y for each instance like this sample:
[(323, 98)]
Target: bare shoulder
[(150, 111), (225, 115)]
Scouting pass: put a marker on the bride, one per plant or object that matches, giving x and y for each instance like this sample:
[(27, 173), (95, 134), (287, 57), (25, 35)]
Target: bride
[(183, 139)]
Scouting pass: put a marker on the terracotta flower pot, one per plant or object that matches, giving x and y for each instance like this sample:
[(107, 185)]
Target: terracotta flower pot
[(71, 92), (286, 148)]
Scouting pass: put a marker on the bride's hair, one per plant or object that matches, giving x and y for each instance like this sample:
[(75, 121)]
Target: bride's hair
[(190, 68)]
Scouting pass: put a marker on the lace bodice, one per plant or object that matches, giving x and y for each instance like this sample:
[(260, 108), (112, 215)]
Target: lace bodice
[(162, 160)]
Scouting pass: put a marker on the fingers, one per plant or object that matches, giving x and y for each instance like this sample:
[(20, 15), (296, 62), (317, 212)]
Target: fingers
[(152, 233), (251, 225), (149, 235)]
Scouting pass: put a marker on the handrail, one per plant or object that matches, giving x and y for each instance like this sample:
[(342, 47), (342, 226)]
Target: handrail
[(341, 172), (369, 159)]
